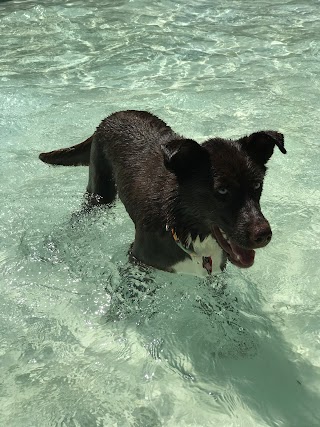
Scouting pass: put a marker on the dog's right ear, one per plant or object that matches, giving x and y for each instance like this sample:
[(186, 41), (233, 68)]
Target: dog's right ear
[(183, 156), (260, 145)]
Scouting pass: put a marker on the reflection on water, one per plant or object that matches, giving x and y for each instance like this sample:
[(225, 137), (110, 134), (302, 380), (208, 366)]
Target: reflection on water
[(88, 339)]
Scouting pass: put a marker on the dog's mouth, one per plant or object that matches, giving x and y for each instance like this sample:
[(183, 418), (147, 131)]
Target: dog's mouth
[(239, 256)]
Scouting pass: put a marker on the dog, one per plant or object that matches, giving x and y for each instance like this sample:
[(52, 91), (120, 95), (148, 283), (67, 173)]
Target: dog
[(194, 206)]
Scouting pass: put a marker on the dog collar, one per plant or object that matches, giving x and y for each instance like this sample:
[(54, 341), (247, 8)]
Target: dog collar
[(206, 260), (185, 248)]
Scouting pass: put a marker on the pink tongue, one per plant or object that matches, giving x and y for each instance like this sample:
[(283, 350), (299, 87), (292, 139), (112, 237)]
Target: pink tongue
[(243, 256), (240, 257)]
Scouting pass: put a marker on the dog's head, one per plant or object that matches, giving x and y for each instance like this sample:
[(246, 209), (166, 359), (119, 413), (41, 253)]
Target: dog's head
[(220, 184)]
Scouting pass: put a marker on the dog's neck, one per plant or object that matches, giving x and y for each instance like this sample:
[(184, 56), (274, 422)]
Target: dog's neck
[(188, 248)]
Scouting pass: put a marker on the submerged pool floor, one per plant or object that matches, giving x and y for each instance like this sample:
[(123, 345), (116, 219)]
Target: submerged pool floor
[(86, 339)]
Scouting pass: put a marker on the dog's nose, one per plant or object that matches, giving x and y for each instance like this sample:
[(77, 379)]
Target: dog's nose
[(262, 234)]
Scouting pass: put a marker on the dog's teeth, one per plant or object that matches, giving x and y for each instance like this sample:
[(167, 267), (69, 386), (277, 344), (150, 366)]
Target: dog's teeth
[(224, 235)]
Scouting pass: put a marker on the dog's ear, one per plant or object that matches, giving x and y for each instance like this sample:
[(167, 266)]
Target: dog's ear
[(260, 145), (183, 156)]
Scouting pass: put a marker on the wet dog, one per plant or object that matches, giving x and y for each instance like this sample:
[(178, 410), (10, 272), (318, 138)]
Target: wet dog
[(193, 205)]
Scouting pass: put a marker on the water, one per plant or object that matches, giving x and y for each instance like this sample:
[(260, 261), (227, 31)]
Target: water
[(166, 350)]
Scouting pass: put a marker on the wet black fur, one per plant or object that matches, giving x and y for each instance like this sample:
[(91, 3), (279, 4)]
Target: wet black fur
[(167, 181)]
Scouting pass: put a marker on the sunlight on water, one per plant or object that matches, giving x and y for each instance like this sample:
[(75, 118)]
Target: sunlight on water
[(88, 339)]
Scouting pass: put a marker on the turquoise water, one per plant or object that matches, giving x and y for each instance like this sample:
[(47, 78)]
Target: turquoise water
[(86, 339)]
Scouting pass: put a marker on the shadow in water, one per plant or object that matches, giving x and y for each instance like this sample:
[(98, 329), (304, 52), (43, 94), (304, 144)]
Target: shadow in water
[(221, 343)]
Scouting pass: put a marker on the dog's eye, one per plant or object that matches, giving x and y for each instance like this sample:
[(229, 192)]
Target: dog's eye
[(257, 185), (223, 191)]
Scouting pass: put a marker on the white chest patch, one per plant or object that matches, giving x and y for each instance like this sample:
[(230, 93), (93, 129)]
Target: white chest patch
[(207, 248)]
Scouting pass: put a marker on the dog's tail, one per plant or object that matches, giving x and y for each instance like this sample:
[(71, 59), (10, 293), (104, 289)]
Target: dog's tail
[(77, 155)]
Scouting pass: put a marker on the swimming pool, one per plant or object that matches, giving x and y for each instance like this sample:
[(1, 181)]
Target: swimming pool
[(165, 350)]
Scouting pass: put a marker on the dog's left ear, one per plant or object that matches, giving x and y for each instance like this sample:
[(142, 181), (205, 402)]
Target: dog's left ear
[(260, 145), (183, 156)]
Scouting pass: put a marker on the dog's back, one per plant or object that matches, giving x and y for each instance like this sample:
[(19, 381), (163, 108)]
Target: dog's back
[(126, 154), (125, 148)]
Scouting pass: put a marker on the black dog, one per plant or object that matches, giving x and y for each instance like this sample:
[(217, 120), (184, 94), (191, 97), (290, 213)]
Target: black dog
[(193, 205)]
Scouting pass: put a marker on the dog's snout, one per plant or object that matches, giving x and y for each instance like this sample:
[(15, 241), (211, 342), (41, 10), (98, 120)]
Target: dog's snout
[(261, 235)]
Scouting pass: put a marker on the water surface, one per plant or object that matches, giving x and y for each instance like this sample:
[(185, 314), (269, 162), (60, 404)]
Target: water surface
[(166, 350)]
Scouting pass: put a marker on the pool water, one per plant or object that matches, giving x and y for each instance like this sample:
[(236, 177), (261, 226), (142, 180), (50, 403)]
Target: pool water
[(88, 339)]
